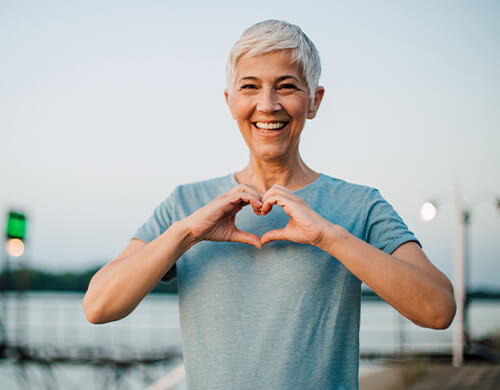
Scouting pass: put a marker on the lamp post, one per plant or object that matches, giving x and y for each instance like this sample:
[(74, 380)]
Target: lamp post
[(428, 212), (459, 276)]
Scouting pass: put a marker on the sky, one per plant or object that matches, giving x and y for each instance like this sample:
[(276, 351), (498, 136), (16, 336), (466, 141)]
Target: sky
[(106, 106)]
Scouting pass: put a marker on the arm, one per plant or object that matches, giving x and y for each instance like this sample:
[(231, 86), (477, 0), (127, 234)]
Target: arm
[(118, 287), (406, 279)]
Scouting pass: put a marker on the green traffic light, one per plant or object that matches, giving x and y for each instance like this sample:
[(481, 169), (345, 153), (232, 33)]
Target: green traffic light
[(16, 225)]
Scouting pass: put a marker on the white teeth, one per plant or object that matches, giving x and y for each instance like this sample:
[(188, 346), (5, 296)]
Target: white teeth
[(270, 126)]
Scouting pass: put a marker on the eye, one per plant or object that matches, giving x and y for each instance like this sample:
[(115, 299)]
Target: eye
[(248, 86), (287, 86)]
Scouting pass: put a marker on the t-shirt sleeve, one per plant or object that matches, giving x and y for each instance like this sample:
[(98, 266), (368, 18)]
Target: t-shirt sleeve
[(158, 222), (384, 228)]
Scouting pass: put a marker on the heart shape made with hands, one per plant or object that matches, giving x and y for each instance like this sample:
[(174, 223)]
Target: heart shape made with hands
[(304, 226)]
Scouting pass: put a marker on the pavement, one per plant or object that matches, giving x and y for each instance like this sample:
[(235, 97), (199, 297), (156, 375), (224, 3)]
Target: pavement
[(384, 378), (471, 376), (468, 377)]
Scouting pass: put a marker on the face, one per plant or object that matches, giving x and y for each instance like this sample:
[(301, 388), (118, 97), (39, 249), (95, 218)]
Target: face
[(270, 101)]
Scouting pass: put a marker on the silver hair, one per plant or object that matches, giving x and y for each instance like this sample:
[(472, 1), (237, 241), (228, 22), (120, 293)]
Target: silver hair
[(271, 35)]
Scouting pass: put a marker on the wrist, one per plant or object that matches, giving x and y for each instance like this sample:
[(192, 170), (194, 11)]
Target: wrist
[(331, 235), (184, 233)]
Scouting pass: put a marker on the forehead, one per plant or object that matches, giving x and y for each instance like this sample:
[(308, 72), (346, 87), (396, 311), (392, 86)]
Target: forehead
[(266, 66)]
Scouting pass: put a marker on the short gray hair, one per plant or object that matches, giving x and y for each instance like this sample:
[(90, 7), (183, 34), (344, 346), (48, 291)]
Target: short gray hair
[(271, 35)]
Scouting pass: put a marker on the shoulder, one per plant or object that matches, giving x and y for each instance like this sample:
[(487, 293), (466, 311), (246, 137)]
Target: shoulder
[(367, 200), (181, 202), (205, 188), (186, 198), (340, 200)]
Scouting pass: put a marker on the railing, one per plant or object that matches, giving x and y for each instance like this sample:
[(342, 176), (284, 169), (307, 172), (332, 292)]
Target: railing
[(51, 329), (47, 338), (385, 333)]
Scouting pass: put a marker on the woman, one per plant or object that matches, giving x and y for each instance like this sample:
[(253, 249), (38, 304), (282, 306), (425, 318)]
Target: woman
[(269, 294)]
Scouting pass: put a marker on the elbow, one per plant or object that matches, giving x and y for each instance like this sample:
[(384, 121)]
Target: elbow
[(443, 315), (442, 322), (99, 310), (436, 313), (92, 312), (93, 317)]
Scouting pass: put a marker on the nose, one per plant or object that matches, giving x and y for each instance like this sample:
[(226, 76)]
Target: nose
[(268, 101)]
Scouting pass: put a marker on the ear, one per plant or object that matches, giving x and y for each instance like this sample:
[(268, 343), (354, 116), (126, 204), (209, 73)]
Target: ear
[(228, 101), (318, 96)]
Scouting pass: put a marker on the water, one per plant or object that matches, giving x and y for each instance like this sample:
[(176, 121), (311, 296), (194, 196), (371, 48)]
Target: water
[(56, 321), (383, 329)]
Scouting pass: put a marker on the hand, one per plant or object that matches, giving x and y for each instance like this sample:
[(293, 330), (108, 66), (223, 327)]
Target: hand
[(215, 221), (305, 225)]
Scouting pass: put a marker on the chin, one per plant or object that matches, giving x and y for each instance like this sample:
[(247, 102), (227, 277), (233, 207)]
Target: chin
[(271, 154)]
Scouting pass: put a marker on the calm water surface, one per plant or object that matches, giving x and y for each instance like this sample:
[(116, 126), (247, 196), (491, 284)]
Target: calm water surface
[(56, 321)]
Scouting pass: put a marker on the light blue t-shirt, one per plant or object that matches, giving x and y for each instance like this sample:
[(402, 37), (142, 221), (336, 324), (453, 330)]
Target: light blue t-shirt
[(282, 317)]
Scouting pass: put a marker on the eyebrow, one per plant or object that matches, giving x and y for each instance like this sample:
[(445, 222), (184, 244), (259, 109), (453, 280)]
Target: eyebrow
[(281, 78)]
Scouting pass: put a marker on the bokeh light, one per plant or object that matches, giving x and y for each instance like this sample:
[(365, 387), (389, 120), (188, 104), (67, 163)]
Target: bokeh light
[(428, 211), (14, 247)]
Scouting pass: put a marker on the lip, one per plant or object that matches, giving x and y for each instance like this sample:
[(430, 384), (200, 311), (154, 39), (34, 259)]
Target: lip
[(271, 121), (272, 133)]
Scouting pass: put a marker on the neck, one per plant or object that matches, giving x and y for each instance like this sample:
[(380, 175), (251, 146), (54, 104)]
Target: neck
[(292, 174)]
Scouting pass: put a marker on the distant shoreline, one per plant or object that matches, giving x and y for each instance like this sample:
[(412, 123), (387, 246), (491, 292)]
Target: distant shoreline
[(34, 280)]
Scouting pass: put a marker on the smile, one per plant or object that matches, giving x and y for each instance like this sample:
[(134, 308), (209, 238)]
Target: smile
[(272, 126)]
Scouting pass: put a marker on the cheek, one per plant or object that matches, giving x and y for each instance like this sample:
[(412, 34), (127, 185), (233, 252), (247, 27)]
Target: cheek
[(297, 107), (241, 109)]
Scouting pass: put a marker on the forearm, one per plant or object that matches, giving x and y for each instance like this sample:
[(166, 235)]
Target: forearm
[(425, 296), (118, 287)]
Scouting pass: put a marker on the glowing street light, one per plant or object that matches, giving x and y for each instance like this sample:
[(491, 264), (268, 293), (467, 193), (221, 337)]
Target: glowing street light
[(16, 231), (14, 247), (428, 211)]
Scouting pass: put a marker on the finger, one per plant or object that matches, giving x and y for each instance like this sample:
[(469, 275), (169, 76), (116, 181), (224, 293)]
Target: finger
[(281, 191), (248, 188), (252, 190), (270, 200), (246, 238), (245, 197), (273, 235), (276, 188)]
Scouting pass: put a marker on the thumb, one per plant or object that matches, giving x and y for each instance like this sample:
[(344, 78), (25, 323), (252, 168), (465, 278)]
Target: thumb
[(273, 235), (246, 238)]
